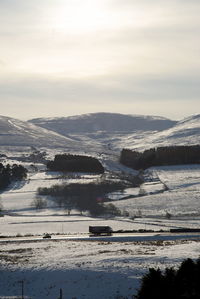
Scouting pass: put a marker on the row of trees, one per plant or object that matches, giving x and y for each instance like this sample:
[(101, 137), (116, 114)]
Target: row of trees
[(10, 173), (85, 197), (75, 163), (171, 155)]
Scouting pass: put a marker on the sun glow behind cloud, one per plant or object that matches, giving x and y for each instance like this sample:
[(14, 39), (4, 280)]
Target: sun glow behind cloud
[(78, 18), (85, 38), (88, 16), (75, 38)]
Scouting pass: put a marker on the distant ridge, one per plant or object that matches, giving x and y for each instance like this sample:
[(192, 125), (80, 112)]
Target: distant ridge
[(100, 132), (105, 122)]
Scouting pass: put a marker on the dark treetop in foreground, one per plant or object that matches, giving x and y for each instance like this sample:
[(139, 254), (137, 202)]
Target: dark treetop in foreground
[(183, 283)]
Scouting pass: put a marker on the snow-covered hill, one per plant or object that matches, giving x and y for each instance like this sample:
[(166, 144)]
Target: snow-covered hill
[(109, 130), (104, 122), (14, 132), (99, 133), (185, 132)]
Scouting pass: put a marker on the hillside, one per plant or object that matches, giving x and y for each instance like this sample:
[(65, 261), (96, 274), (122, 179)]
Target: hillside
[(185, 132), (109, 130), (100, 132), (106, 122), (14, 132)]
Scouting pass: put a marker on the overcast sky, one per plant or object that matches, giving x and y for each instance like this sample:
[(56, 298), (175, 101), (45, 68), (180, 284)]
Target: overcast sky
[(68, 57)]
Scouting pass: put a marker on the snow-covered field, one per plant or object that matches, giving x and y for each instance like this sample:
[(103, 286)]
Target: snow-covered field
[(93, 268), (181, 199)]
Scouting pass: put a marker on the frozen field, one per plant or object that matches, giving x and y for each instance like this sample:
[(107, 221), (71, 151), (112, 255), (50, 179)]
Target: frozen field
[(95, 269), (182, 178), (181, 200), (18, 198), (182, 197), (85, 269)]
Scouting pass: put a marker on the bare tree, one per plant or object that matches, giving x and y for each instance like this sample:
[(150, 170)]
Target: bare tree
[(1, 208), (39, 203)]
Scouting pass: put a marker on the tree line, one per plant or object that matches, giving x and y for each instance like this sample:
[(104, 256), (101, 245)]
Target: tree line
[(10, 173), (85, 197), (75, 163), (170, 155)]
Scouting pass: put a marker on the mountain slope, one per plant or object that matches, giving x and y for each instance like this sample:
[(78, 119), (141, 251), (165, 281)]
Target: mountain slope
[(106, 122), (14, 132), (100, 132), (185, 132)]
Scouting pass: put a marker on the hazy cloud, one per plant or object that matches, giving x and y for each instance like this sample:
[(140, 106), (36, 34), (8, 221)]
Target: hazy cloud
[(99, 55), (114, 88)]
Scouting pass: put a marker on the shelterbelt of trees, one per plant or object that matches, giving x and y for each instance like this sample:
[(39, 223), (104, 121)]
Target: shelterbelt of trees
[(10, 173), (171, 155), (85, 197), (75, 163)]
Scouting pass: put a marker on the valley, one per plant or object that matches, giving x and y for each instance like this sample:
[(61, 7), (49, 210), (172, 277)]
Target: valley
[(109, 267)]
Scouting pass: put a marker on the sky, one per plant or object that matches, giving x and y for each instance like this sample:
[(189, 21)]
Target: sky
[(68, 57)]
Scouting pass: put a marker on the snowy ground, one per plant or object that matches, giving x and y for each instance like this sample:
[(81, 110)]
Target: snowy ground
[(20, 195), (95, 268), (182, 197)]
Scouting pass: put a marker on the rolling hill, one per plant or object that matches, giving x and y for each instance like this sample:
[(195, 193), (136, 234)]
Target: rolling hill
[(185, 132), (100, 132), (103, 122), (14, 132), (113, 131)]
